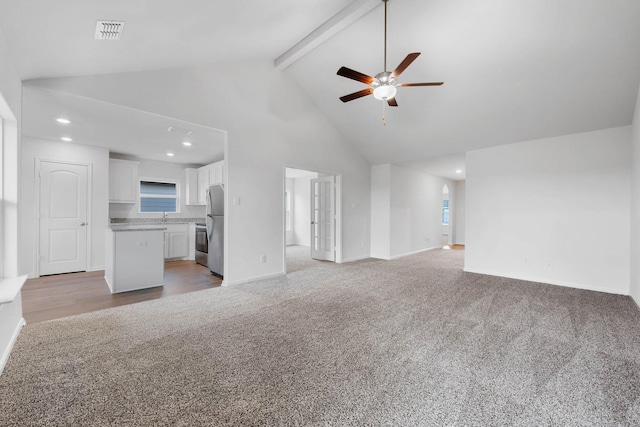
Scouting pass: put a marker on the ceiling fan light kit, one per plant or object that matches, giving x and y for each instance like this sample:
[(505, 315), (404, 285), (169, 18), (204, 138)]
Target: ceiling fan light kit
[(384, 85)]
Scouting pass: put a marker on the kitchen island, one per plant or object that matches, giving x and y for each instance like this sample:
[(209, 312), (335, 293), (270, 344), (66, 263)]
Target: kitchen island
[(134, 258)]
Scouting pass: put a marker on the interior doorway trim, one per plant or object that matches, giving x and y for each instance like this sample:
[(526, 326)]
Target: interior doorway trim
[(38, 163), (338, 213)]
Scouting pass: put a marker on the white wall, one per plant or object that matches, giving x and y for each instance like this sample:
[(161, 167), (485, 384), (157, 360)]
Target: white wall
[(459, 214), (416, 210), (302, 218), (158, 170), (560, 203), (98, 158), (406, 212), (635, 208), (10, 110), (381, 211), (271, 123)]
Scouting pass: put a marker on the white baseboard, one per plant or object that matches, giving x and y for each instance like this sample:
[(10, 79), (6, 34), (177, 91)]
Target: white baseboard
[(97, 268), (548, 282), (251, 279), (358, 258), (7, 351), (415, 252)]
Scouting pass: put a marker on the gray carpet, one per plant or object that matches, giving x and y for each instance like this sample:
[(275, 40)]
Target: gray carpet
[(413, 341)]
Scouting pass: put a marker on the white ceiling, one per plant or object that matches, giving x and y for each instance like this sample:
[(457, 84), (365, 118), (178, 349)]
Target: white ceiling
[(513, 71), (123, 130), (56, 38)]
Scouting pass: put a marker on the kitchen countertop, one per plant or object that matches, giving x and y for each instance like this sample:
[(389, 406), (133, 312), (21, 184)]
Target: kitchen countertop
[(118, 229)]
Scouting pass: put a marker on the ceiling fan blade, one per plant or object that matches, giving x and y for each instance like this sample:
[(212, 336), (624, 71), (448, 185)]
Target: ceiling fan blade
[(392, 102), (405, 63), (422, 84), (351, 74), (356, 95)]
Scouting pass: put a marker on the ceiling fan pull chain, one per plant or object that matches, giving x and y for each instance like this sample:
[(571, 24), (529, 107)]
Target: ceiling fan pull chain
[(384, 122)]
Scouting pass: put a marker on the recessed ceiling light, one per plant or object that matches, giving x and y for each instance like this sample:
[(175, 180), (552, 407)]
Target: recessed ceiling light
[(186, 144), (459, 171), (170, 154), (66, 139), (63, 121)]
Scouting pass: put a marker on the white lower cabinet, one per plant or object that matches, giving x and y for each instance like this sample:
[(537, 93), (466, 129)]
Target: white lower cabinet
[(175, 244), (176, 241), (133, 259)]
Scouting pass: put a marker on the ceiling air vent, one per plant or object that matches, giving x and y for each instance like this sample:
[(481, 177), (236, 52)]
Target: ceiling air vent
[(109, 30), (185, 132)]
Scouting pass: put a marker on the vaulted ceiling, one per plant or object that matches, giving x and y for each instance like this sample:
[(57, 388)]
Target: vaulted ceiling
[(513, 71)]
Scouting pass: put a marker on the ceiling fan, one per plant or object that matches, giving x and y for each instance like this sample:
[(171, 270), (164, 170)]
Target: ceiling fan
[(383, 85)]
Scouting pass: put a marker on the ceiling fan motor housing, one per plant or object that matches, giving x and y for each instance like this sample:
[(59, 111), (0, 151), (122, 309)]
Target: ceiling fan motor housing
[(384, 86)]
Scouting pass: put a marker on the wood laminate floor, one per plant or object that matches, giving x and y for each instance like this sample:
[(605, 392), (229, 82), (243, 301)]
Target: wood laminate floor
[(61, 295)]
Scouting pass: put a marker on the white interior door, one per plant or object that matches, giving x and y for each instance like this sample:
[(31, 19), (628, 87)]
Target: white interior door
[(63, 218), (323, 214)]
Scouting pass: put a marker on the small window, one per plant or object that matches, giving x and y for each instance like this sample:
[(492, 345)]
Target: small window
[(445, 212), (158, 196)]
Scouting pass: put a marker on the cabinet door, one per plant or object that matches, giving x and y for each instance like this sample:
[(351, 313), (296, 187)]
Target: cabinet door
[(203, 184), (212, 173), (191, 186), (177, 247), (123, 181), (167, 244), (217, 173)]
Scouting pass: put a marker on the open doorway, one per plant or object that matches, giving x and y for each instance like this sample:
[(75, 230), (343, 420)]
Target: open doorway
[(446, 218), (311, 218)]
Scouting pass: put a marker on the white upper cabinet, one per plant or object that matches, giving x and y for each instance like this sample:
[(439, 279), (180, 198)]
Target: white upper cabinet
[(199, 180), (123, 181), (216, 173)]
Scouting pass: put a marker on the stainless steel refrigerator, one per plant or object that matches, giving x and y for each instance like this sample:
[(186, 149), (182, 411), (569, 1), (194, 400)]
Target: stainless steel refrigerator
[(215, 229)]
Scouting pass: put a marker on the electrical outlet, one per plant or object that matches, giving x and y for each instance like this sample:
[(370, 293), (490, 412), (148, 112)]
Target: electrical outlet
[(263, 259), (236, 201)]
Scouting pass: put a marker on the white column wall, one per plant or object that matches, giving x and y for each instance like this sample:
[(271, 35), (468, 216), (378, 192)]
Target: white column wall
[(635, 207), (459, 214), (554, 210)]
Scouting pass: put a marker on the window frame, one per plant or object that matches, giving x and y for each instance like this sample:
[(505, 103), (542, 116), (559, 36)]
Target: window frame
[(445, 211), (177, 197)]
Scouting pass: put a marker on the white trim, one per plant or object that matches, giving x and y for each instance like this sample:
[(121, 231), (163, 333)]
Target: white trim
[(97, 268), (548, 282), (252, 279), (7, 351), (358, 258), (414, 252), (10, 288), (341, 20), (338, 209)]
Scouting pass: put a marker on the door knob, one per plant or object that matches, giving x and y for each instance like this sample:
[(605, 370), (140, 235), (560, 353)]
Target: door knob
[(82, 224)]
